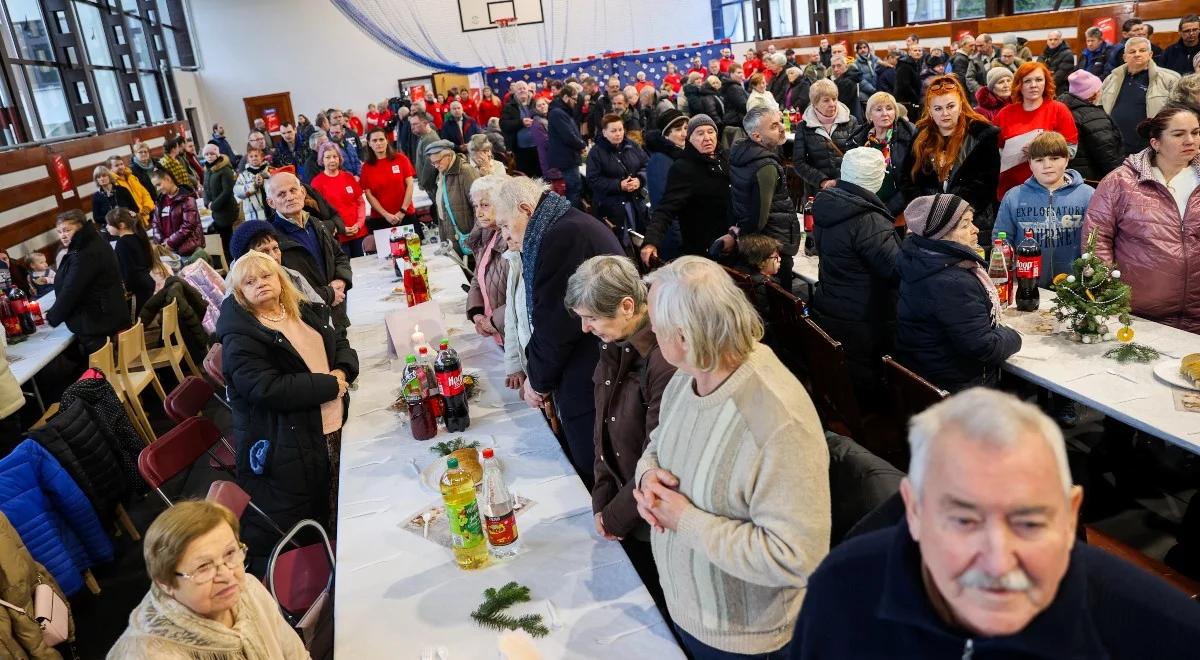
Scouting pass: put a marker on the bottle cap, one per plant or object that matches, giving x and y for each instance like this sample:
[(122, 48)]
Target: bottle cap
[(445, 343), (410, 359), (488, 453), (452, 463), (1002, 235)]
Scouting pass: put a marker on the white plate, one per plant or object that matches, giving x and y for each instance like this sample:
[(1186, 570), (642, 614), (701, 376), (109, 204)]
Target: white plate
[(1169, 372)]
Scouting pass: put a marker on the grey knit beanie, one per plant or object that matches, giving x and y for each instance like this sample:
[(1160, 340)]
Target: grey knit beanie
[(697, 121), (934, 216)]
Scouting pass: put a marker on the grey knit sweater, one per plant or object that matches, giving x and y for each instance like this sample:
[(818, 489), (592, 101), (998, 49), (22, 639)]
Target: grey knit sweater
[(753, 461)]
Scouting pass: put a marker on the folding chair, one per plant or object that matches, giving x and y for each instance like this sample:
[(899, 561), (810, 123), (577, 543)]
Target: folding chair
[(232, 497), (187, 400), (176, 451), (216, 252), (212, 366), (131, 352), (301, 580), (174, 351), (103, 361), (832, 389)]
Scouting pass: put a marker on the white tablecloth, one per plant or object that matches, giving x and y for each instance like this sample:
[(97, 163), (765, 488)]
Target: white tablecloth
[(30, 356), (397, 592), (1132, 394)]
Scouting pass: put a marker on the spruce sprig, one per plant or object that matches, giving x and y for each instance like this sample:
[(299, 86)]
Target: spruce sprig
[(447, 447), (490, 613), (1132, 351)]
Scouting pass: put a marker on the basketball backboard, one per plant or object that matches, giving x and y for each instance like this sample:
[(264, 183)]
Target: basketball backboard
[(483, 14)]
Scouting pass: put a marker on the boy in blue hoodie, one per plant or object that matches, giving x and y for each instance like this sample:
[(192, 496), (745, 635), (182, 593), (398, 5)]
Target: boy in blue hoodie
[(1051, 203)]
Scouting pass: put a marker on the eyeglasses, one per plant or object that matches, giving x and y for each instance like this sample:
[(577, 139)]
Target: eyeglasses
[(774, 257), (943, 86), (205, 572)]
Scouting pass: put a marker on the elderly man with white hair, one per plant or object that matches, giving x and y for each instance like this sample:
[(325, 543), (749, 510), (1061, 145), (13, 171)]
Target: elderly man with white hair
[(459, 128), (1137, 89), (779, 83), (986, 563), (554, 238), (515, 120), (735, 480), (307, 246)]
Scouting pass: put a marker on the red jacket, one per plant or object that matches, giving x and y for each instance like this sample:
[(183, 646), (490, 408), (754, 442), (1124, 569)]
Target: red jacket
[(749, 67), (356, 124), (674, 80), (726, 62), (639, 86), (439, 114), (1138, 227), (346, 197), (487, 110)]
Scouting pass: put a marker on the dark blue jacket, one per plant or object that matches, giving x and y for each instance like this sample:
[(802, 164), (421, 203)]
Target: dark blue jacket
[(885, 79), (222, 145), (561, 357), (663, 153), (867, 600), (460, 137), (1178, 57), (944, 327), (1094, 61), (607, 166), (566, 142), (52, 515)]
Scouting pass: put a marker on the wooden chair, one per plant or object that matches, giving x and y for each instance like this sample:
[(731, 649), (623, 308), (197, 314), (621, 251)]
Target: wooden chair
[(909, 394), (785, 314), (216, 252), (174, 351), (1111, 545), (832, 389), (742, 280), (136, 372), (103, 360)]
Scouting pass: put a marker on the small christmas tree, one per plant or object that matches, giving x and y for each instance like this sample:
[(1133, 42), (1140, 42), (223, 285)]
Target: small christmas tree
[(1090, 296)]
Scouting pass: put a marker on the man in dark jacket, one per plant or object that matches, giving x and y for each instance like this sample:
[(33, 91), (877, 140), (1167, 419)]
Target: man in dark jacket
[(760, 198), (1178, 56), (515, 120), (307, 246), (459, 128), (616, 175), (908, 81), (825, 52), (847, 80), (566, 144), (554, 239), (734, 97), (218, 192), (1095, 53), (218, 138), (778, 87), (697, 195), (89, 296), (885, 74), (1133, 27), (960, 62), (1059, 57), (1100, 147), (288, 150), (855, 298), (986, 466)]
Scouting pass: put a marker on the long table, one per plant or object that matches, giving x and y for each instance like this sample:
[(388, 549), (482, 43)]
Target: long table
[(1130, 392), (29, 357), (398, 593)]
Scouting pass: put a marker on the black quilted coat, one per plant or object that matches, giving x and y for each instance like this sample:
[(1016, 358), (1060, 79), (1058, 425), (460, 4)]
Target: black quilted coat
[(86, 452), (192, 306), (108, 411)]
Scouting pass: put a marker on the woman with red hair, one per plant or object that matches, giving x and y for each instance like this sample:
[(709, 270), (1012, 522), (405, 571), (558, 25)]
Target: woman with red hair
[(954, 151), (1032, 110)]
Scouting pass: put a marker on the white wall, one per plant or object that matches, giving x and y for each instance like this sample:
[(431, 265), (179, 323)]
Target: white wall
[(311, 49)]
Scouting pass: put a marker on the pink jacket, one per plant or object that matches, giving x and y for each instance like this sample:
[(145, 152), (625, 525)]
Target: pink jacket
[(1138, 226)]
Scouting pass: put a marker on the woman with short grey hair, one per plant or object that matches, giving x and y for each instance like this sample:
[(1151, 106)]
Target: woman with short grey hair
[(1187, 90), (739, 435), (609, 297), (483, 156), (486, 300)]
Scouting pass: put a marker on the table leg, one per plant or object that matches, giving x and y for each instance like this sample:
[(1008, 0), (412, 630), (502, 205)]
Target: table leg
[(37, 393)]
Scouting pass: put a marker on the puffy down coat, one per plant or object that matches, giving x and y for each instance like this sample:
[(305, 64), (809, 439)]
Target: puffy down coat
[(52, 515), (109, 413), (85, 451), (817, 154), (1138, 226), (1100, 148)]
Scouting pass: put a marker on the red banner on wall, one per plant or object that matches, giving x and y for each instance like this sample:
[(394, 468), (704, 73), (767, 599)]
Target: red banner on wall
[(417, 92), (271, 116), (63, 172), (1108, 26)]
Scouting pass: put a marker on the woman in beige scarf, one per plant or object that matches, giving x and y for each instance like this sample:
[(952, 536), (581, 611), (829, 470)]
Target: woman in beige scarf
[(202, 605)]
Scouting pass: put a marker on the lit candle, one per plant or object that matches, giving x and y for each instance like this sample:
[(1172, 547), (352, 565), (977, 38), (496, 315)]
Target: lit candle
[(418, 337)]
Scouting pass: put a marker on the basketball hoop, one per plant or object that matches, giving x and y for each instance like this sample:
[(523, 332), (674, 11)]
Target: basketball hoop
[(505, 26)]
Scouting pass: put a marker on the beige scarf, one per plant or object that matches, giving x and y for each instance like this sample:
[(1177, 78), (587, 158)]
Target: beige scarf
[(166, 627)]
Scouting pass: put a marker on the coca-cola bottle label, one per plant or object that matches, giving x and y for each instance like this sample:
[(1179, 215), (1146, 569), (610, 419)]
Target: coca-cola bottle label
[(451, 383), (501, 530), (1029, 268)]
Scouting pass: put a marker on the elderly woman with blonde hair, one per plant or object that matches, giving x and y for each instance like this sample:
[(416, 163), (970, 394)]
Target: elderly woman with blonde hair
[(483, 157), (887, 128), (201, 603), (822, 137), (735, 479), (287, 373), (486, 300)]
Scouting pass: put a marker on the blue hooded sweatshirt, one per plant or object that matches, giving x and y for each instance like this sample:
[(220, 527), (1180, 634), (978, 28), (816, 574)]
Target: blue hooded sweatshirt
[(1027, 207)]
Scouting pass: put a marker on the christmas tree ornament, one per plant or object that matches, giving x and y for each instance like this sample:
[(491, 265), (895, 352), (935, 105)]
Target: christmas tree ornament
[(1090, 296)]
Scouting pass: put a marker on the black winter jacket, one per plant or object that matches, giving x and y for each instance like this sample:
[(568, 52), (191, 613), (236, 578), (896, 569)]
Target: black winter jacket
[(192, 307), (944, 326), (908, 86), (1100, 147), (1061, 61), (510, 122), (103, 203), (1178, 58), (337, 264), (698, 197), (108, 411), (856, 288), (959, 64), (275, 397), (745, 160), (816, 157), (87, 453), (607, 166), (88, 295), (734, 96), (219, 178), (973, 178), (903, 133), (704, 100), (778, 87)]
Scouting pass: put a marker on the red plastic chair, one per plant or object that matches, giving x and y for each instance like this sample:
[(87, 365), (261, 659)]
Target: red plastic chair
[(232, 497), (188, 400), (176, 451), (300, 580), (212, 366)]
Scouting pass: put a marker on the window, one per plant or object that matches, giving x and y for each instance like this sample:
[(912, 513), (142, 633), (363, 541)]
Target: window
[(130, 6), (733, 24), (970, 9), (872, 15), (29, 31), (923, 11), (108, 88), (91, 28), (137, 42), (45, 94), (844, 15), (781, 18), (172, 49), (153, 100), (1026, 6), (165, 16), (1085, 3)]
